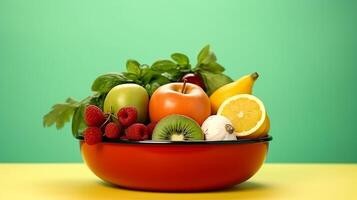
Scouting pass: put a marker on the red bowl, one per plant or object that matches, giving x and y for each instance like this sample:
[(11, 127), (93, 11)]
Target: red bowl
[(176, 166)]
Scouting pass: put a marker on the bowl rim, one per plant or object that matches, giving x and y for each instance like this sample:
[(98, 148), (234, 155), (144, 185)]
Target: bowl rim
[(239, 141)]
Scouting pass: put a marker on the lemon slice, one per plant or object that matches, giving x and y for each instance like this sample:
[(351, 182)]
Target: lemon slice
[(247, 114)]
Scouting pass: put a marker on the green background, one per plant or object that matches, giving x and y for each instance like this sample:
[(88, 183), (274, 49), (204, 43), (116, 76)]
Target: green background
[(305, 52)]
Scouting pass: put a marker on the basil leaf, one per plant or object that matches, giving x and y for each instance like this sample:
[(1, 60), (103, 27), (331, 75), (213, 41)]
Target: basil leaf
[(104, 83), (203, 54), (148, 89), (69, 100), (180, 59), (146, 75), (78, 123), (173, 76), (206, 56), (98, 100), (209, 59), (60, 113), (161, 80), (131, 77), (156, 82), (212, 67), (163, 66), (151, 87), (133, 66), (214, 81), (154, 87)]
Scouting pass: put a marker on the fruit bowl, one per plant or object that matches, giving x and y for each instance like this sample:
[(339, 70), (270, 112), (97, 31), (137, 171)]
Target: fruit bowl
[(176, 166)]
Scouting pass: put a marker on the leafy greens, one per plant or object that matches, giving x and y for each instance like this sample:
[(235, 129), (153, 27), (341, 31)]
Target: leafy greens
[(150, 77)]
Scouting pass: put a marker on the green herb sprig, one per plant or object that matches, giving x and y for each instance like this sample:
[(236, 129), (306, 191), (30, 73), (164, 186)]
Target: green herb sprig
[(149, 76)]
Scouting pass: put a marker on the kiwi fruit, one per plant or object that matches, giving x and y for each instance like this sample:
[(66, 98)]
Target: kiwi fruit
[(177, 128)]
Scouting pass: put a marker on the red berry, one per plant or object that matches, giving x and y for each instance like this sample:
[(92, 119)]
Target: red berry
[(93, 116), (92, 135), (150, 128), (137, 132), (127, 116), (112, 130)]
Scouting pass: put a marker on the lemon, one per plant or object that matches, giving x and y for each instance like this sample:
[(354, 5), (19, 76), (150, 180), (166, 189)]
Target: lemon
[(247, 114)]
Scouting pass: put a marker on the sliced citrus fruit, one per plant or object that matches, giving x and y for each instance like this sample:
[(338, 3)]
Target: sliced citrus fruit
[(247, 114)]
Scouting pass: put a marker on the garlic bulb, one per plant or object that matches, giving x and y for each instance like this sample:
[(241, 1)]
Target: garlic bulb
[(230, 136), (217, 127)]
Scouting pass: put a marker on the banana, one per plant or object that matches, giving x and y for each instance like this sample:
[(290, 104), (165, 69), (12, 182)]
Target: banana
[(244, 85)]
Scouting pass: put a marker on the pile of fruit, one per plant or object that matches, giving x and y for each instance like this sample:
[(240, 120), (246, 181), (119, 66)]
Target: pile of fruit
[(168, 100)]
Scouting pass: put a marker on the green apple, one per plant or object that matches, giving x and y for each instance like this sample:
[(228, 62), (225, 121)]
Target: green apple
[(125, 95)]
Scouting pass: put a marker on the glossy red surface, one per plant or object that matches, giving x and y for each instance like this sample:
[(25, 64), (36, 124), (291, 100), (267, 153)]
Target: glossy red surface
[(175, 167)]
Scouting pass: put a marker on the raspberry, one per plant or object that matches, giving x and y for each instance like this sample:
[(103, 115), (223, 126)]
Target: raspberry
[(92, 135), (93, 116), (150, 128), (112, 130), (127, 116), (137, 132)]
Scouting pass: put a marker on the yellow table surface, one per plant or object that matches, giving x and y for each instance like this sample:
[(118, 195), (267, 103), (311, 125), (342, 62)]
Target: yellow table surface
[(273, 181)]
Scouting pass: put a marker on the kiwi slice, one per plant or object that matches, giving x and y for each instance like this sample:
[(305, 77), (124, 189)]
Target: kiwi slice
[(177, 128)]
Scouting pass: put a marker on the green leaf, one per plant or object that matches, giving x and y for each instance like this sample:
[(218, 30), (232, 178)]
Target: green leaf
[(78, 123), (156, 82), (214, 81), (104, 83), (154, 87), (97, 99), (180, 59), (209, 59), (133, 66), (161, 80), (131, 77), (70, 100), (148, 75), (203, 54), (60, 113), (164, 66), (173, 76), (150, 88), (206, 56), (212, 67), (185, 68)]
